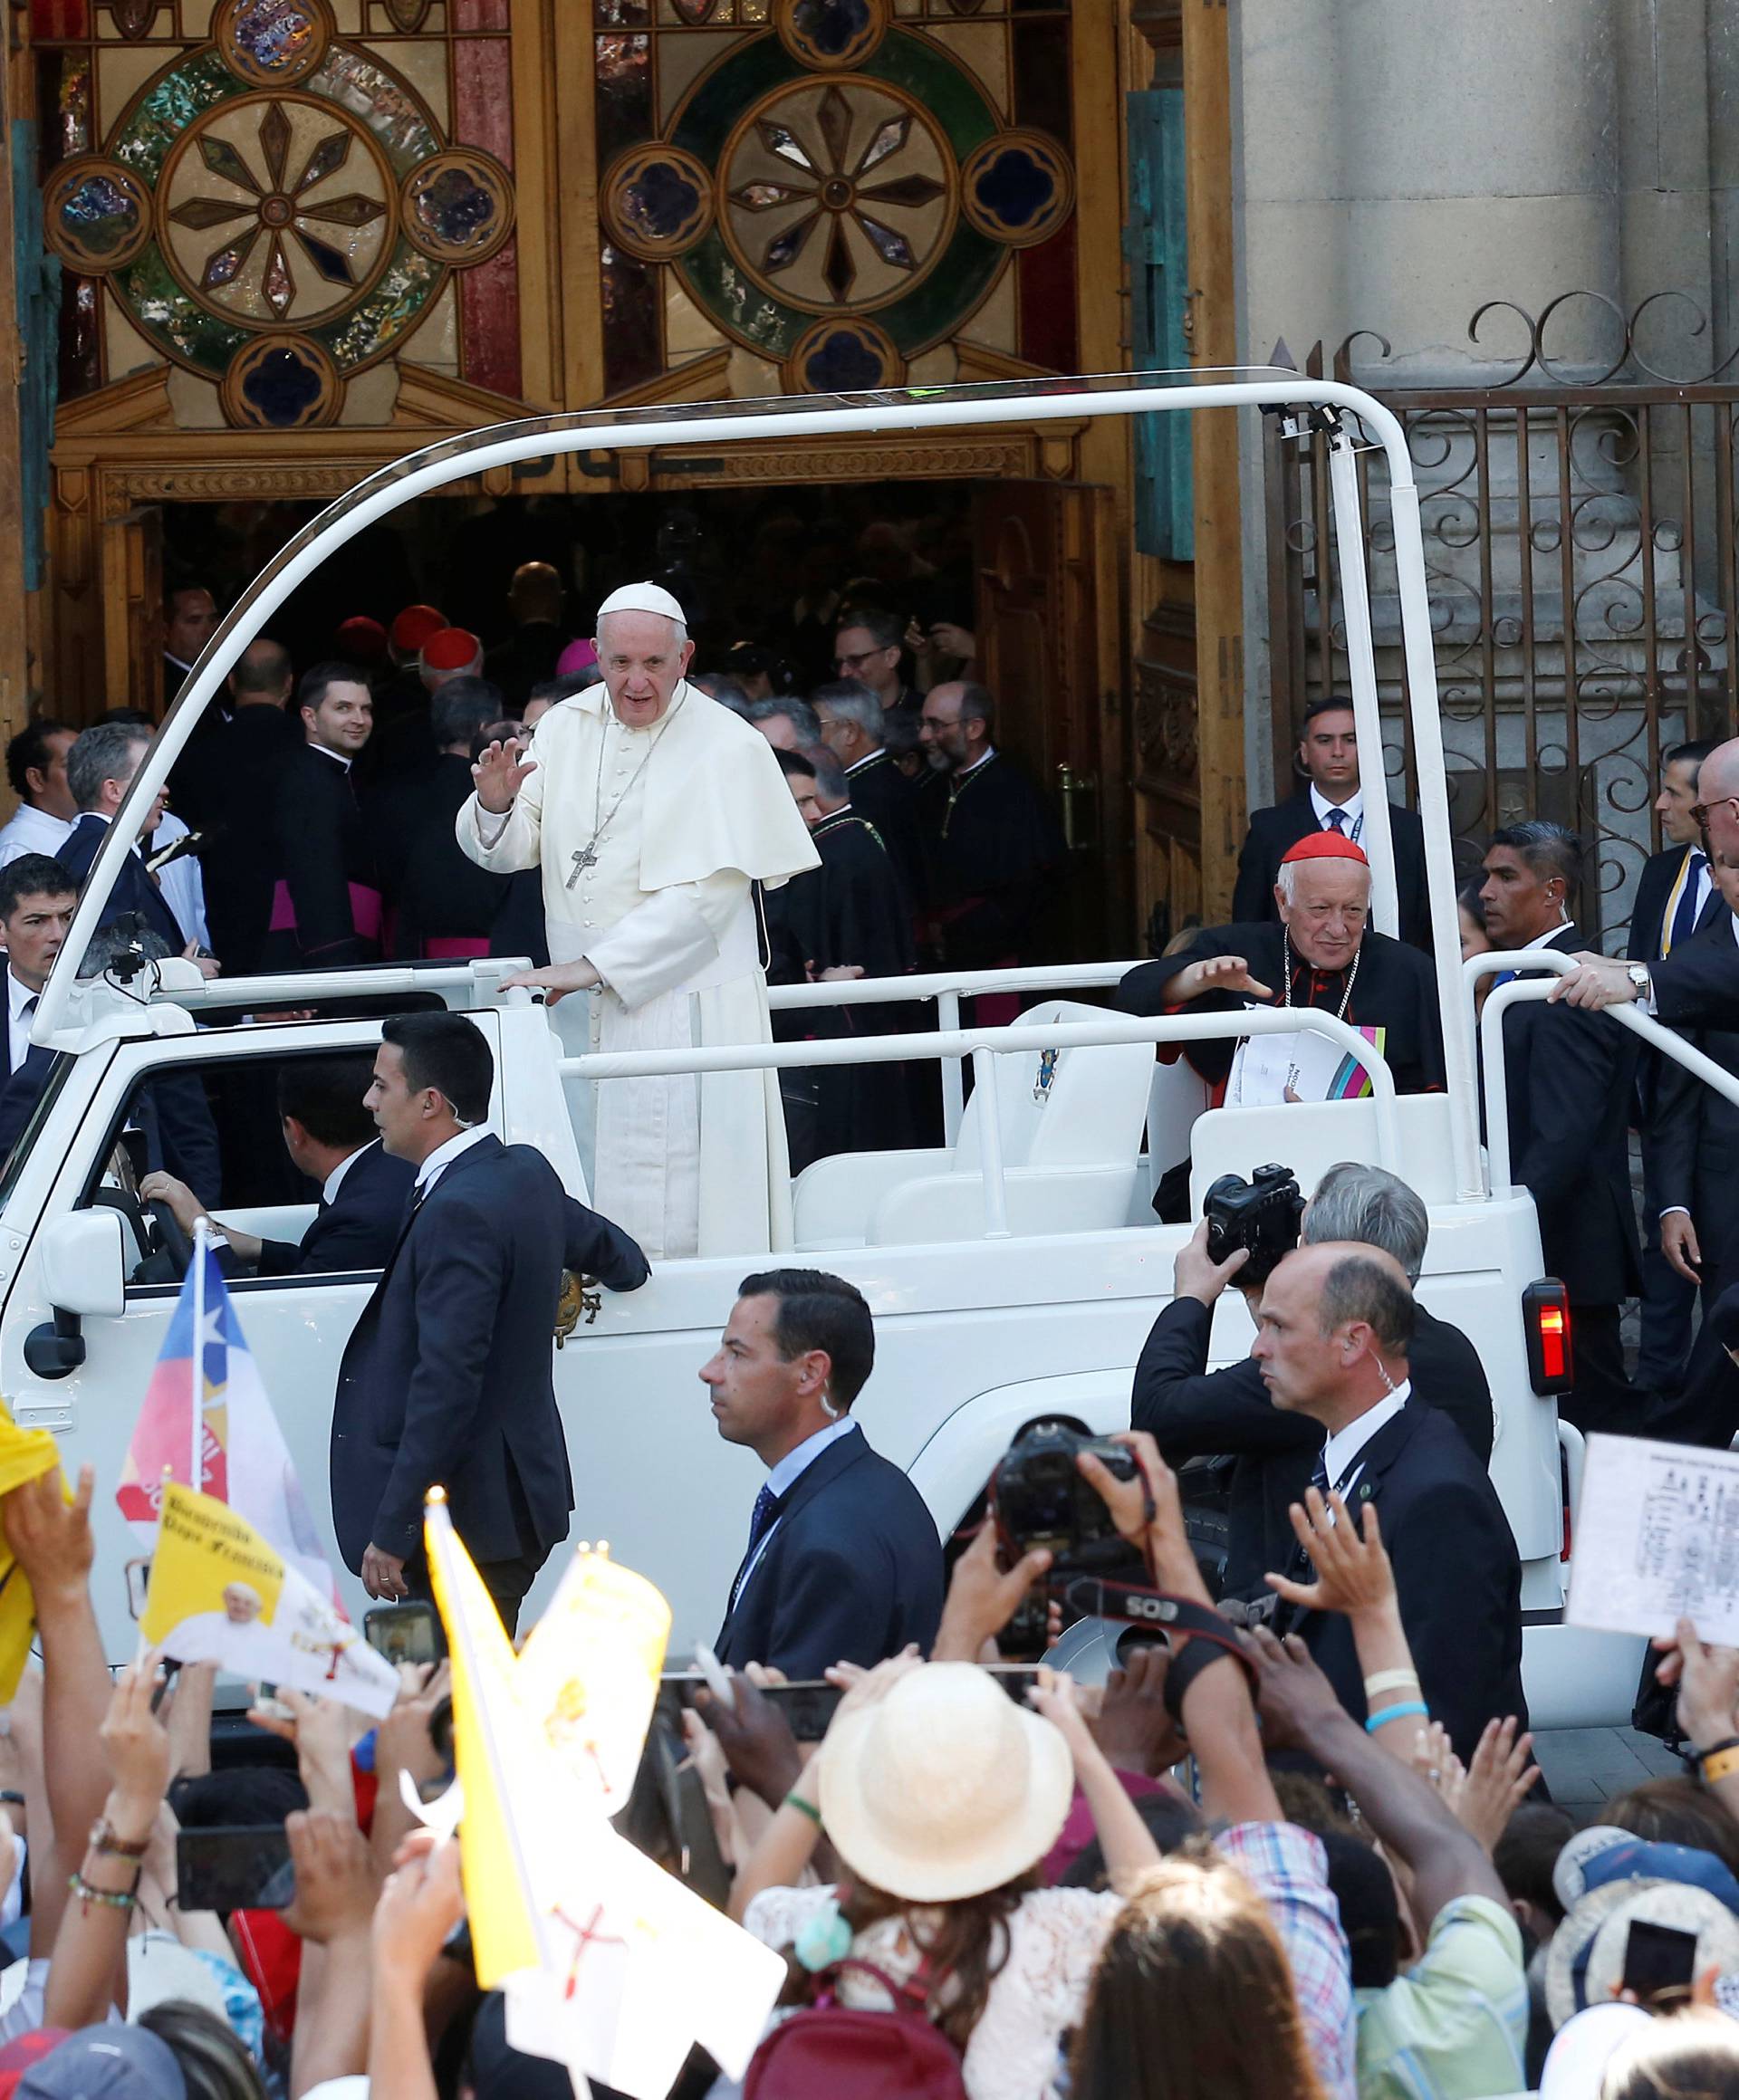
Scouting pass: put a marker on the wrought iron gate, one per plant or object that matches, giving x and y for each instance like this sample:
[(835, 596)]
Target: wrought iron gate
[(1581, 545)]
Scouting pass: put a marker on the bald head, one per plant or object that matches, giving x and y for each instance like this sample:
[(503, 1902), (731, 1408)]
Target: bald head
[(1717, 791), (1333, 1330), (536, 592)]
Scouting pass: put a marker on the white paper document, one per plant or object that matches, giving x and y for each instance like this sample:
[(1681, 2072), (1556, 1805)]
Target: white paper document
[(1301, 1067), (1657, 1540)]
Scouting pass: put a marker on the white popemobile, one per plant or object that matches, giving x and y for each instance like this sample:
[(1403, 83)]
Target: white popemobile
[(1014, 1271)]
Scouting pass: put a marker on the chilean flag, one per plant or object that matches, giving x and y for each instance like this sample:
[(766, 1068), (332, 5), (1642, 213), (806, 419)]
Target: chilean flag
[(243, 1459)]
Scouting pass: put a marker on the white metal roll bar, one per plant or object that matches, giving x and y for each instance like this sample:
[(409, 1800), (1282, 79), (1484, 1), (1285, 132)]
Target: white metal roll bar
[(984, 1045), (1553, 961), (913, 408)]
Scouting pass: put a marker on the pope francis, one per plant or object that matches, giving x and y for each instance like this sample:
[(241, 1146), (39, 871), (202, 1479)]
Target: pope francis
[(651, 811)]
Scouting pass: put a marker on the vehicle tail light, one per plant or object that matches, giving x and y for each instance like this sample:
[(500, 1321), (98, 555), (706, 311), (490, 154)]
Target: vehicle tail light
[(1551, 1355)]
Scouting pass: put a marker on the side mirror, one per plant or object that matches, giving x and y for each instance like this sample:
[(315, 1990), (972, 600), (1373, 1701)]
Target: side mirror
[(85, 1266), (84, 1273)]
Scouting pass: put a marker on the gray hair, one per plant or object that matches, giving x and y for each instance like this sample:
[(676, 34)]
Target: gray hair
[(120, 939), (886, 630), (1286, 880), (1372, 1206), (830, 774), (102, 752), (798, 712), (727, 691), (1544, 849), (678, 631), (1358, 1288), (852, 701)]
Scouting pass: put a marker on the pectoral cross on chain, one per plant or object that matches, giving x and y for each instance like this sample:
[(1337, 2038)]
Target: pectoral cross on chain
[(583, 858)]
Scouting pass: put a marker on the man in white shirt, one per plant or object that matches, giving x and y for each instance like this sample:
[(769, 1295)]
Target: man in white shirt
[(37, 772), (1333, 1330)]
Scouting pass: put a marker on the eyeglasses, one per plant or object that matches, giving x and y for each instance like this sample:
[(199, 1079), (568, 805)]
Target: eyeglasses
[(1700, 810), (854, 663)]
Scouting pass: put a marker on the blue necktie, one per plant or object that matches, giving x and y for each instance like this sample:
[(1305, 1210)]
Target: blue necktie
[(760, 1521), (1336, 819), (1685, 917)]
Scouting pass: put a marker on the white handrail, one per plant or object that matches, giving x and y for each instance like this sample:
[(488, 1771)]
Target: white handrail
[(983, 1044), (1554, 962), (732, 423), (925, 985)]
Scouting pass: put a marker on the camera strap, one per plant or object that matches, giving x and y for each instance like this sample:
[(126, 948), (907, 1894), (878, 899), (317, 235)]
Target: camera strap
[(1094, 1598)]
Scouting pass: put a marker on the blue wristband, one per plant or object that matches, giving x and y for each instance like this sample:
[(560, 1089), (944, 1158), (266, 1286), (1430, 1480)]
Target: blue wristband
[(1411, 1709)]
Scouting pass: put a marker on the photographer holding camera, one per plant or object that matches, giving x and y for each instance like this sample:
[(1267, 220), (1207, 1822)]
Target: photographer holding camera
[(1194, 1413)]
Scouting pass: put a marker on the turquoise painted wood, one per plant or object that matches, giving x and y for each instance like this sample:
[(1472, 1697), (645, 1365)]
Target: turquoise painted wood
[(1154, 249)]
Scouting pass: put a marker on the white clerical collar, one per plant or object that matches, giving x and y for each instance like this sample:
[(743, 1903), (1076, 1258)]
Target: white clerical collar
[(798, 1461), (330, 1189), (325, 751), (1340, 1453), (1352, 809), (967, 772), (443, 1156), (858, 764)]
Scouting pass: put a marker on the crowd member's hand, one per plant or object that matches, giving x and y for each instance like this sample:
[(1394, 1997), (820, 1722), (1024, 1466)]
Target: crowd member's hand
[(1598, 981), (137, 1745), (1434, 1760), (952, 640), (1293, 1698), (1149, 1512), (1196, 1274), (1132, 1727), (383, 1574), (1678, 1243), (320, 1729), (839, 974), (209, 966), (1216, 973), (164, 1188), (917, 639), (500, 772), (1708, 1678), (335, 1884), (420, 1905), (755, 1737), (1352, 1571), (403, 1741), (1056, 1698), (864, 1687), (1500, 1777), (982, 1597), (49, 1536)]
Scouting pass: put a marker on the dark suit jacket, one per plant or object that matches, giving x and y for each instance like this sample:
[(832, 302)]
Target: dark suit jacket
[(1281, 825), (853, 1570), (323, 846), (1692, 1133), (1195, 1412), (1568, 1075), (235, 787), (357, 1229), (1456, 1573), (134, 890), (1648, 914), (1697, 985), (448, 1377)]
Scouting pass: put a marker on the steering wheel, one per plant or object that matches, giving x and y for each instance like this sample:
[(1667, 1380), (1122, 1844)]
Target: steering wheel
[(172, 1242)]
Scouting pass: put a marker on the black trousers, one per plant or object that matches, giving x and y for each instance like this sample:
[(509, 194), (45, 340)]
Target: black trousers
[(506, 1580), (1667, 1304), (1604, 1398)]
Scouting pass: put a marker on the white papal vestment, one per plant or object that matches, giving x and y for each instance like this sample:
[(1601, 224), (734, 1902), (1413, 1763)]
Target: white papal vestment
[(667, 917)]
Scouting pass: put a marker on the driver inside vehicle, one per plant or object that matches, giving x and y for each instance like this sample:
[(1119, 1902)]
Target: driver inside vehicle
[(331, 1139)]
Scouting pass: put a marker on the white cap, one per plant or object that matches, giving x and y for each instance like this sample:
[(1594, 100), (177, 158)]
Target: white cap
[(643, 597)]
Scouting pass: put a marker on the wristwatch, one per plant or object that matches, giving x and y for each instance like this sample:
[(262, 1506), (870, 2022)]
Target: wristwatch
[(104, 1838), (1638, 973)]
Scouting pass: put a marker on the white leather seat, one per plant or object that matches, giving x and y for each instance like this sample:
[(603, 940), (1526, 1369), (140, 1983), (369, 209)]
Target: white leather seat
[(1071, 1145)]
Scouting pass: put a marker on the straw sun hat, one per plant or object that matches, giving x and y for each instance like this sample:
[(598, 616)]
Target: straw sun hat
[(944, 1787)]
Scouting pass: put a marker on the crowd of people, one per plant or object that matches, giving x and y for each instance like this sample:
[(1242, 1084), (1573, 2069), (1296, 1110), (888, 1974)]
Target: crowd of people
[(1297, 1847)]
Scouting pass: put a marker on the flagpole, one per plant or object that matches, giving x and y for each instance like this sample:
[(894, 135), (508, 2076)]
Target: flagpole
[(195, 1480)]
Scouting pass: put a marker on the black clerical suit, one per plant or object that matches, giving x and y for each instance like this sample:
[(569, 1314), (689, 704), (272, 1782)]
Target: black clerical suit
[(1569, 1075), (358, 1229), (236, 781), (443, 904), (883, 796), (135, 889), (995, 852), (1273, 831), (1665, 900), (850, 1571), (1693, 1140), (326, 908), (448, 1378), (1457, 1576), (1195, 1412), (1393, 988), (850, 910), (527, 657)]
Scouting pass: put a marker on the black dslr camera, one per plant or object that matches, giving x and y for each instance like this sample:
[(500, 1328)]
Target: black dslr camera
[(1039, 1497), (1260, 1213)]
